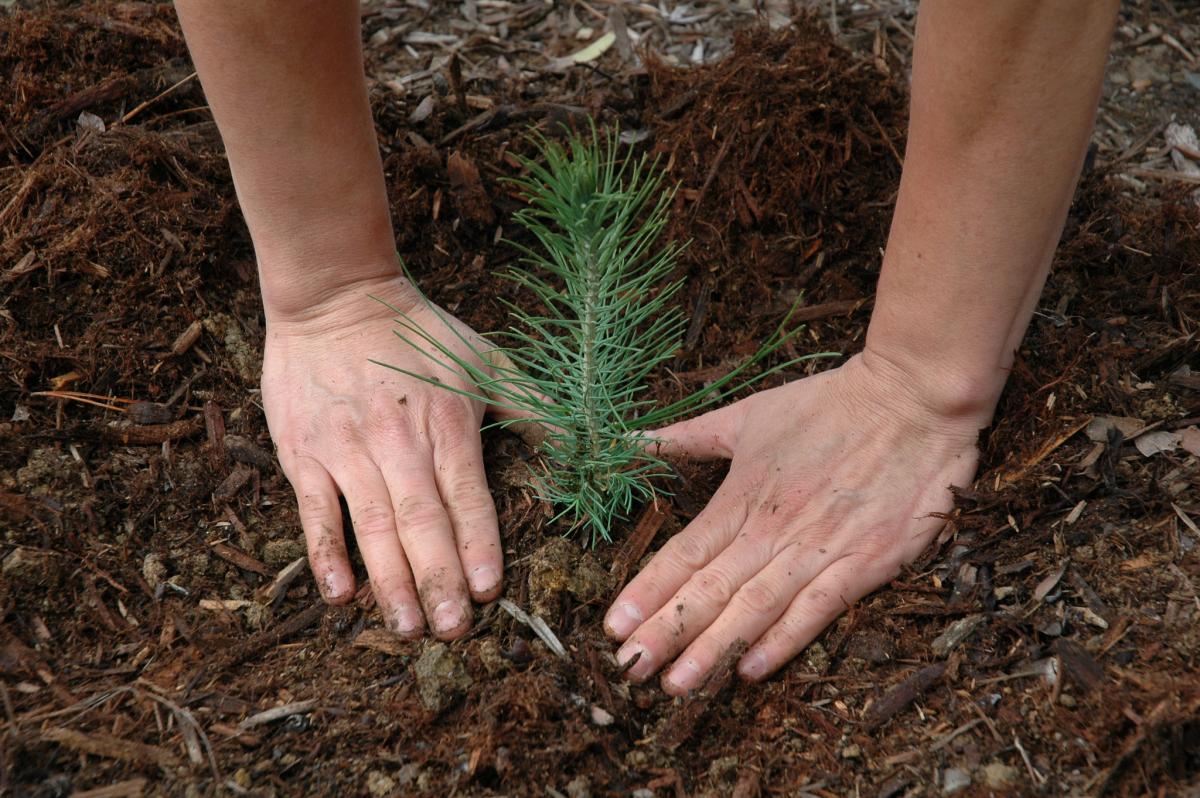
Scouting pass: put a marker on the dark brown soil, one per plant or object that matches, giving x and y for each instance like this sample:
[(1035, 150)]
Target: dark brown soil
[(136, 634)]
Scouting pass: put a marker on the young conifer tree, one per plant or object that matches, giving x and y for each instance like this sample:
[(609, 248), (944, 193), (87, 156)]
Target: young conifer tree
[(605, 320)]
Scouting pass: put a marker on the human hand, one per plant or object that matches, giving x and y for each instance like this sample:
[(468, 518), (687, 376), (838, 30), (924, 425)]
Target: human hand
[(835, 481), (406, 455)]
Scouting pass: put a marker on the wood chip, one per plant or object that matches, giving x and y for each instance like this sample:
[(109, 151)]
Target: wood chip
[(635, 546), (1156, 442), (277, 587), (899, 697), (1098, 428), (25, 265), (241, 559), (187, 339), (381, 640), (680, 724), (1189, 439), (248, 452), (278, 713), (1077, 664), (109, 747), (1047, 584), (956, 633), (131, 788), (233, 483)]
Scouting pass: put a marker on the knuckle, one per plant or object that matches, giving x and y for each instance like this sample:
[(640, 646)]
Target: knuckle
[(450, 416), (760, 596), (343, 418), (315, 507), (418, 513), (689, 551), (372, 520), (712, 587)]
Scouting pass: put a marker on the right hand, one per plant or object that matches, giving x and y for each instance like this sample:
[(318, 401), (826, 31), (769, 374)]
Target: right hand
[(406, 456)]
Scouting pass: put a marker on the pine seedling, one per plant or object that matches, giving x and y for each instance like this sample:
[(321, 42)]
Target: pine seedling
[(578, 365)]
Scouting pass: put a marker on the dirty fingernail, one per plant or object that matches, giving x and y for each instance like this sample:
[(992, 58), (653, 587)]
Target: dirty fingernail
[(484, 579), (634, 660), (447, 616), (406, 620), (753, 665), (336, 585), (623, 619), (685, 675)]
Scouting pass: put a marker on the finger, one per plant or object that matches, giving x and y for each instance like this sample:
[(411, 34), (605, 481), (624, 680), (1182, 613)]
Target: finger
[(749, 612), (680, 557), (811, 611), (375, 530), (428, 540), (518, 421), (462, 484), (321, 520), (706, 437), (693, 608)]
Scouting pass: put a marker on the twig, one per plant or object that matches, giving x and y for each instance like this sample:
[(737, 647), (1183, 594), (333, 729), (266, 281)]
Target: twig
[(143, 106), (278, 713), (1033, 772)]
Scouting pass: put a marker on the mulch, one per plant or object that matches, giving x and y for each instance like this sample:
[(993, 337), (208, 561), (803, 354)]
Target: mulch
[(158, 636)]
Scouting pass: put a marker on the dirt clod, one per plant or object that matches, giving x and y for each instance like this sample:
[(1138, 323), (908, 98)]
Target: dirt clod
[(441, 676), (562, 566)]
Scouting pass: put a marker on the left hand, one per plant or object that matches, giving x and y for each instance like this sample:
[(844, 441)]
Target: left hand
[(836, 480)]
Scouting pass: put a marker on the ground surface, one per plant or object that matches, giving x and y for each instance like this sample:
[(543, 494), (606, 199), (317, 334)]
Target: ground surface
[(1047, 645)]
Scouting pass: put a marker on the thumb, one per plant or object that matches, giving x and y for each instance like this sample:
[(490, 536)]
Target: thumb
[(705, 437), (522, 423)]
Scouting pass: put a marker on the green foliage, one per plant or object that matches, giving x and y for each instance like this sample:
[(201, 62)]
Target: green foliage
[(578, 366)]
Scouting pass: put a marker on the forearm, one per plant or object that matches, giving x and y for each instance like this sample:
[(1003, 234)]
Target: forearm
[(1003, 101), (285, 82)]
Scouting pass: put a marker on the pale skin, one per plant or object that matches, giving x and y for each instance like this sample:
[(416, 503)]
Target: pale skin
[(835, 481)]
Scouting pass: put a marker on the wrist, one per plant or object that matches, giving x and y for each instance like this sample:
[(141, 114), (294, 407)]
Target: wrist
[(304, 271), (935, 386), (336, 294)]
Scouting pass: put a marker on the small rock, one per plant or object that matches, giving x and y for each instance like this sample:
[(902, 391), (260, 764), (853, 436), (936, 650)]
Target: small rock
[(721, 766), (1067, 700), (379, 784), (39, 470), (954, 780), (491, 656), (562, 566), (871, 647), (279, 553), (242, 778), (642, 792), (408, 774), (441, 677), (154, 569), (816, 658), (27, 567), (601, 716), (999, 775), (852, 752), (242, 354), (579, 787), (955, 634)]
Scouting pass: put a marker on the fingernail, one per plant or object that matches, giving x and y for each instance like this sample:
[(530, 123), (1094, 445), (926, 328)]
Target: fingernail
[(336, 585), (406, 620), (484, 579), (448, 615), (685, 676), (624, 619), (640, 669), (753, 665)]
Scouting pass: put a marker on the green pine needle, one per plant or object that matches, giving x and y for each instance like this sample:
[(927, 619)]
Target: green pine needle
[(606, 322)]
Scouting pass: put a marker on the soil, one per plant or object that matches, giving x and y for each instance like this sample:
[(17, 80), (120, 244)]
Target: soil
[(158, 633)]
